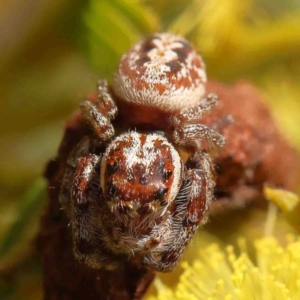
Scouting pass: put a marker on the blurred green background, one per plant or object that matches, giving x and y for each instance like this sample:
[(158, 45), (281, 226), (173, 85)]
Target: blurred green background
[(52, 53)]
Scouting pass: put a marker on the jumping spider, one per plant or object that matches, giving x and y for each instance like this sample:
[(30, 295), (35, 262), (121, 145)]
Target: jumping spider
[(129, 195)]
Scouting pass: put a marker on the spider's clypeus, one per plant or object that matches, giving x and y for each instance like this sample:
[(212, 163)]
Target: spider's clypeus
[(130, 196)]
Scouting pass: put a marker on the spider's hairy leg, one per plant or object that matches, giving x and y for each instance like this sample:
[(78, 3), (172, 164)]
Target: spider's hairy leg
[(192, 134), (203, 177), (81, 149), (190, 114), (188, 129), (191, 208), (84, 214), (101, 112), (105, 100)]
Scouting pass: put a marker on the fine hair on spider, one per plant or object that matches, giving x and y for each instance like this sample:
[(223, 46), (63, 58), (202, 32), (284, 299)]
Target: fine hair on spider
[(128, 194)]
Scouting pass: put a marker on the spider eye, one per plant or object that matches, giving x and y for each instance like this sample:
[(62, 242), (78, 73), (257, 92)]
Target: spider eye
[(160, 193), (111, 169), (167, 174)]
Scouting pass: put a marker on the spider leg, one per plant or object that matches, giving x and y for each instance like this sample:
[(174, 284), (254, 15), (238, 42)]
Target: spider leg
[(80, 195), (188, 129), (81, 149), (81, 212), (100, 113), (191, 207), (105, 99), (84, 213), (192, 134), (195, 112)]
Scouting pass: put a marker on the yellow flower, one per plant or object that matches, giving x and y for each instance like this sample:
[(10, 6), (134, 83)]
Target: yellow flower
[(287, 202), (218, 275), (270, 271)]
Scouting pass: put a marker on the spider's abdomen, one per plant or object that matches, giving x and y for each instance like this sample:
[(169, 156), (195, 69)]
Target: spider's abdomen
[(163, 71), (140, 172)]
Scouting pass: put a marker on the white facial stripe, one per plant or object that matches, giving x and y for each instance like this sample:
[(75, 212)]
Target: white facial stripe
[(177, 173)]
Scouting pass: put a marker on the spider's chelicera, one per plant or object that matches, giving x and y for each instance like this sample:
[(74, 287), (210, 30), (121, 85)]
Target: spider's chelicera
[(130, 196)]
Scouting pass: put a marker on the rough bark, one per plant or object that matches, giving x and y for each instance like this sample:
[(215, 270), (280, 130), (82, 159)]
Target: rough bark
[(255, 154)]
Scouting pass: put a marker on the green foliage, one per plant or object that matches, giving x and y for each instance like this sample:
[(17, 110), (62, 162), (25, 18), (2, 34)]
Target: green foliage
[(30, 205), (112, 27)]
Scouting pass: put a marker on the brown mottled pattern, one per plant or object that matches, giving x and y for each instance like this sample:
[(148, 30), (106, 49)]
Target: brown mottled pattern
[(155, 69), (170, 257), (140, 67), (197, 206), (141, 182), (80, 181)]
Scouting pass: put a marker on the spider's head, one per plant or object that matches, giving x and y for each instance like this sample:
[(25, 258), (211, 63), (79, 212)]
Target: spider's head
[(140, 173)]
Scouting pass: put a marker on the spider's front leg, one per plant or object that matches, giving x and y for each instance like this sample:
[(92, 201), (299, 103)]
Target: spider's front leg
[(85, 214), (101, 112), (81, 211), (80, 197), (191, 210), (188, 130)]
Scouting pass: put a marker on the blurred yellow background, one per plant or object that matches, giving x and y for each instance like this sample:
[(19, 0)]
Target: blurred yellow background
[(53, 52)]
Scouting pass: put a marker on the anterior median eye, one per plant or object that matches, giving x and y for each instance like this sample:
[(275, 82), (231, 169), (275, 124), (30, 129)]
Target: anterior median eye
[(167, 174), (160, 193), (111, 169)]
